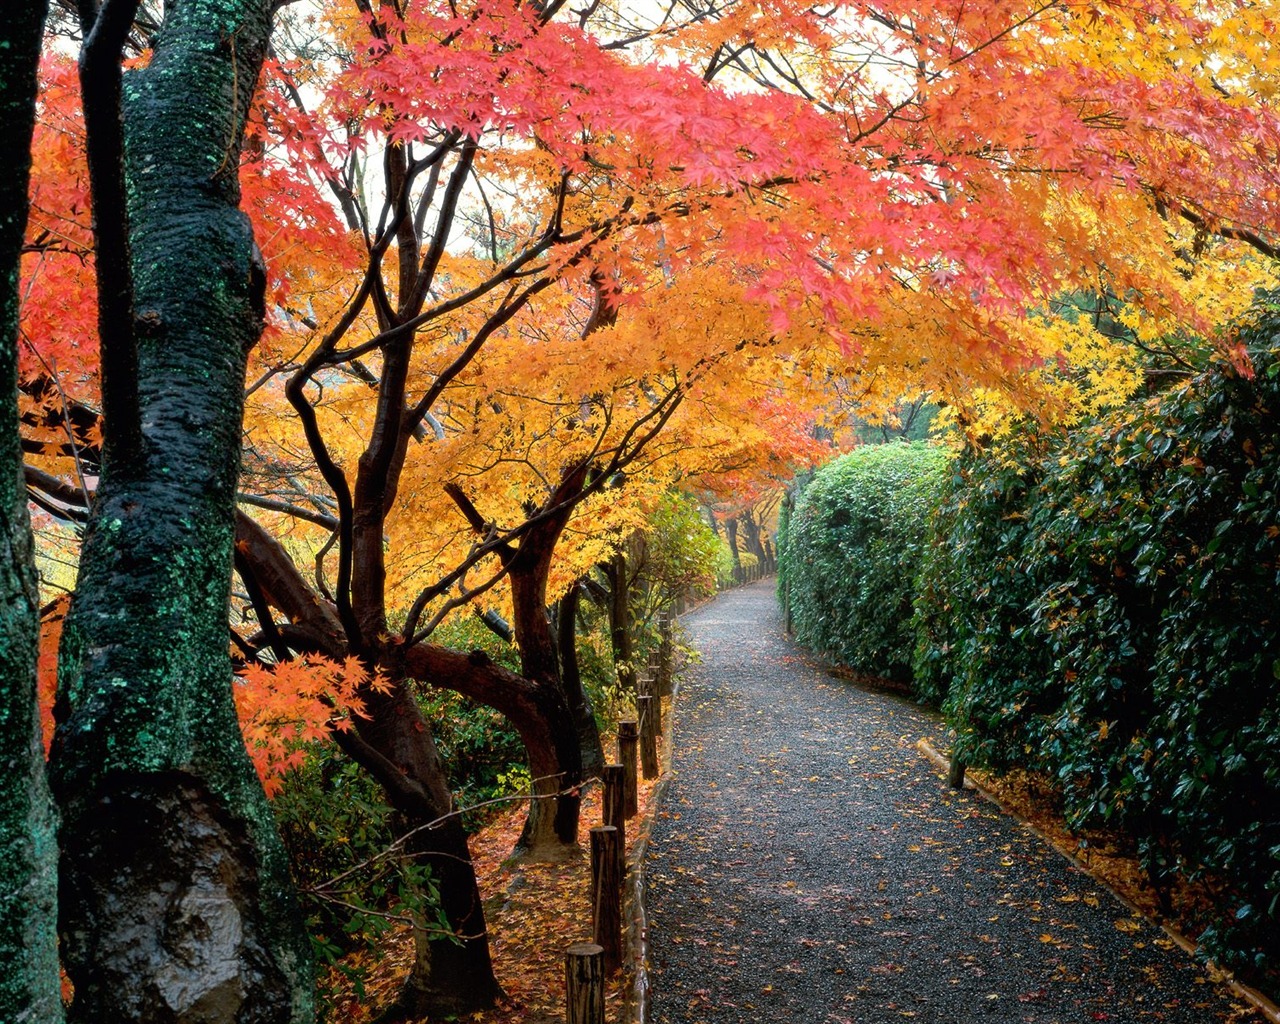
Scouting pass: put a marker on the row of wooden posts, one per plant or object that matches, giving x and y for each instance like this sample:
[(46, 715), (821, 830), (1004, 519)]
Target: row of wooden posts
[(588, 964), (751, 573)]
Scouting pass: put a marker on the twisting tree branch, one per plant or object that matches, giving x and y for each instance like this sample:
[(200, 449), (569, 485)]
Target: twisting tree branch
[(106, 31)]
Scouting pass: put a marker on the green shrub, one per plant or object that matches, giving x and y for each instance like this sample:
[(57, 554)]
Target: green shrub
[(851, 551), (338, 831), (336, 823), (972, 649), (724, 565), (1102, 606), (680, 554)]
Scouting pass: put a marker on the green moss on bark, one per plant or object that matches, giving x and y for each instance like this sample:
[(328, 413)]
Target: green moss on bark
[(146, 718), (29, 987)]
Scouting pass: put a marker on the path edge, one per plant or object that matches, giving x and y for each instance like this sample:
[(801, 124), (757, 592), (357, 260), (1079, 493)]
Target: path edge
[(1250, 995), (637, 994)]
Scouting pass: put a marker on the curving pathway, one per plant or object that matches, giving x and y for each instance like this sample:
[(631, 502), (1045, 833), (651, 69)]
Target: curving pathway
[(812, 867)]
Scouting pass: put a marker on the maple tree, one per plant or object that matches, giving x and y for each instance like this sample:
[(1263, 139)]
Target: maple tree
[(878, 194), (536, 457)]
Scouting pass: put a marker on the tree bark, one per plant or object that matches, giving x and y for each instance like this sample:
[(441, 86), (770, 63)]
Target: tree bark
[(395, 745), (539, 715), (551, 829), (536, 704), (29, 987), (731, 534), (452, 974), (176, 904), (752, 534), (620, 619), (571, 679)]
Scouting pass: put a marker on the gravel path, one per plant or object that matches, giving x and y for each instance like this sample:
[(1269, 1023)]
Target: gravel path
[(812, 867)]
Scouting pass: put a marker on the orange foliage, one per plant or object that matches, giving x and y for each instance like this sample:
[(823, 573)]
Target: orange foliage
[(281, 708), (284, 707)]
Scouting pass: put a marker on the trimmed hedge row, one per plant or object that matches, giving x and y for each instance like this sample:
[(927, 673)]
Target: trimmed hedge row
[(850, 547), (1103, 609), (1102, 606)]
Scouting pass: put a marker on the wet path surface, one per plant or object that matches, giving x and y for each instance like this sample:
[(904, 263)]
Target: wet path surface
[(812, 867)]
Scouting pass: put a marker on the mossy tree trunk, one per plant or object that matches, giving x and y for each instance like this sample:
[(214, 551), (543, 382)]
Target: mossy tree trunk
[(176, 904), (29, 988)]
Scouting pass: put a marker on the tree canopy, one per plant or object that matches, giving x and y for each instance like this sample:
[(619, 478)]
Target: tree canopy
[(515, 270)]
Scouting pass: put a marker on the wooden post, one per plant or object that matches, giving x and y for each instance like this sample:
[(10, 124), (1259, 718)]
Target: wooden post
[(628, 739), (615, 804), (666, 675), (647, 686), (584, 984), (615, 810), (956, 776), (648, 737), (606, 895)]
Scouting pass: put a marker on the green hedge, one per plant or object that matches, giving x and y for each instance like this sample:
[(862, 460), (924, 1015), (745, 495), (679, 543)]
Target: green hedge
[(1103, 607), (850, 549)]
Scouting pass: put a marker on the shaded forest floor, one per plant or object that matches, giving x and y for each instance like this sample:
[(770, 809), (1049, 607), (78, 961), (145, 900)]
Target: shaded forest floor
[(534, 912)]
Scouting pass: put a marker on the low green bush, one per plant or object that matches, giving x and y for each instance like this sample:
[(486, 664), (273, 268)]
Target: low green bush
[(1103, 607), (483, 755), (338, 831), (851, 549)]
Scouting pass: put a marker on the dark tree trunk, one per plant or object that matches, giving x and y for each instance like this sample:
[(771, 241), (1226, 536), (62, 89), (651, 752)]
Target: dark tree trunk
[(751, 533), (176, 904), (452, 973), (540, 715), (535, 702), (620, 620), (551, 829), (395, 745), (29, 988), (731, 532), (571, 679)]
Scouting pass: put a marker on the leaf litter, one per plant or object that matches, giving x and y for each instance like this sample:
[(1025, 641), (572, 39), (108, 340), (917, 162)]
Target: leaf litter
[(534, 912)]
